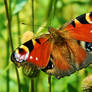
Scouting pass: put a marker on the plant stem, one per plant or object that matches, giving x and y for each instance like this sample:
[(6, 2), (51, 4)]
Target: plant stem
[(19, 42), (32, 80), (49, 12), (9, 23), (18, 25), (7, 62), (49, 9), (8, 15), (53, 10), (49, 82), (32, 85), (33, 15)]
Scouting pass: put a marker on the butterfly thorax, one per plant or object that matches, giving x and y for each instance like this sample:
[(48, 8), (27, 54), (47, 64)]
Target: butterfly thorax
[(55, 35)]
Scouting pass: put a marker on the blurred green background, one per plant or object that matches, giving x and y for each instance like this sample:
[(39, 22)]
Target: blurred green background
[(54, 13)]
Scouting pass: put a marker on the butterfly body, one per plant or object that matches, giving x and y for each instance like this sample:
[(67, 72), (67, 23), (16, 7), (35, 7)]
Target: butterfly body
[(59, 53)]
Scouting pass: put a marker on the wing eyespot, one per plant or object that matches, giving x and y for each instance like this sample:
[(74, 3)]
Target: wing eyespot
[(82, 19), (88, 17), (21, 50)]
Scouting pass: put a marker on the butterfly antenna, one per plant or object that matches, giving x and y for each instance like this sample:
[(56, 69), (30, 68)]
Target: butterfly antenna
[(35, 25)]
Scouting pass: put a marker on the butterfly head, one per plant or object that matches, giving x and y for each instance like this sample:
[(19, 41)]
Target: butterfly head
[(52, 30), (20, 55)]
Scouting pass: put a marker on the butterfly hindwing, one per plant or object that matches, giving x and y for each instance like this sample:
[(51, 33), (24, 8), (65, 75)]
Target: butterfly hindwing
[(67, 58)]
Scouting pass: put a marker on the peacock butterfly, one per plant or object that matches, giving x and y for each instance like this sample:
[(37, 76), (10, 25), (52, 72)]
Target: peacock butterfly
[(62, 51)]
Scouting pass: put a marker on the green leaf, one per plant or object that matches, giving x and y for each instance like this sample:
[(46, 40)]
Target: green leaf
[(19, 6)]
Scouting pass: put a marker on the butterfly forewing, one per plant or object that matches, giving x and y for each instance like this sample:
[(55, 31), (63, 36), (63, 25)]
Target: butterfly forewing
[(80, 28), (40, 55)]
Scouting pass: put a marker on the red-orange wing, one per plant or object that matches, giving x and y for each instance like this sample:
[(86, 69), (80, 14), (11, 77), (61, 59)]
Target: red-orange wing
[(80, 28), (40, 53)]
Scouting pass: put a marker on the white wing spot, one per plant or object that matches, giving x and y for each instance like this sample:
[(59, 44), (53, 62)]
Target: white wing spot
[(31, 57), (26, 56), (36, 58)]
